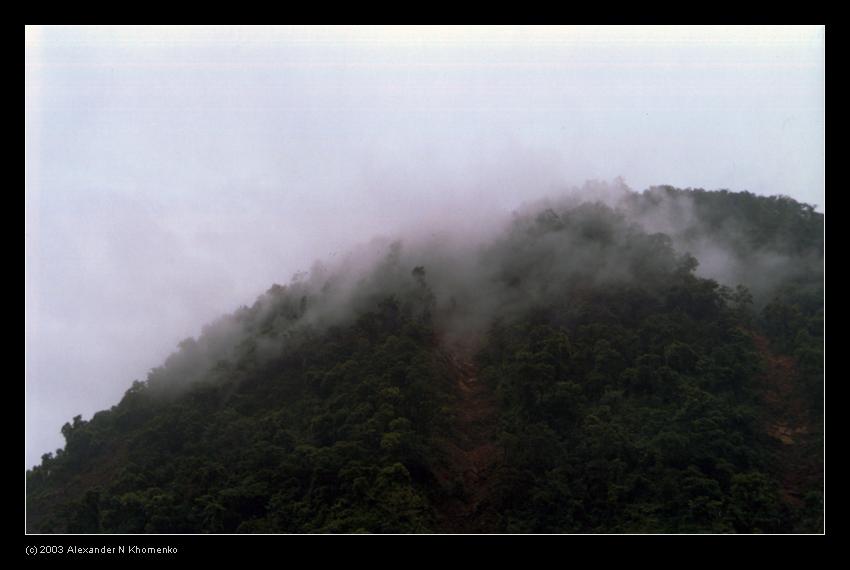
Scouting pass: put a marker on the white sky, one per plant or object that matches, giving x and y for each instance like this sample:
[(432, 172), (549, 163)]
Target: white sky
[(175, 173)]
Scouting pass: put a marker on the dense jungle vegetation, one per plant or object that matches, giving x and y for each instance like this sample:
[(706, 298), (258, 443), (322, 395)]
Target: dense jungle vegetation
[(633, 391)]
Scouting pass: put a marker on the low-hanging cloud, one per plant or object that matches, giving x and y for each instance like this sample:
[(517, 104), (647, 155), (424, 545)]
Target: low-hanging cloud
[(173, 174)]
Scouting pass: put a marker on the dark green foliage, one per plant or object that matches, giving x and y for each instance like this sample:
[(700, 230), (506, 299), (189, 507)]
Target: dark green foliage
[(628, 389), (331, 438), (651, 421), (666, 441), (653, 432)]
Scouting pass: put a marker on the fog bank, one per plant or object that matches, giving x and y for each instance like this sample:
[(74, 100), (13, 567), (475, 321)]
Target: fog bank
[(174, 174)]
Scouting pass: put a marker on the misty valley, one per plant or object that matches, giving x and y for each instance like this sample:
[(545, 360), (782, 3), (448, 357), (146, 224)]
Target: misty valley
[(605, 361)]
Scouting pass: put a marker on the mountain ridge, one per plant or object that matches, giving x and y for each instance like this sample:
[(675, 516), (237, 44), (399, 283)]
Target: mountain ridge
[(612, 379)]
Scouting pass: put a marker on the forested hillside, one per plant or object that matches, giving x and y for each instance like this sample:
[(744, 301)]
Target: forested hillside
[(583, 370)]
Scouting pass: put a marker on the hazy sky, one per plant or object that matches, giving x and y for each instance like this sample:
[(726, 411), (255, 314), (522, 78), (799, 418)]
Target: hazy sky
[(173, 174)]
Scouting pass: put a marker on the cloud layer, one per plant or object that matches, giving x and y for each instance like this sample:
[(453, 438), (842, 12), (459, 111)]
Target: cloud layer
[(174, 174)]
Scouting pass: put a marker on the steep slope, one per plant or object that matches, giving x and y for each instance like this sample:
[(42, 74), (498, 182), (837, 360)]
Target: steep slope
[(600, 384), (331, 437), (796, 446), (472, 455)]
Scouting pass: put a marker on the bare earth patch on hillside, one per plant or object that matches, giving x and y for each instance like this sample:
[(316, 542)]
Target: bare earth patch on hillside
[(787, 423), (471, 453)]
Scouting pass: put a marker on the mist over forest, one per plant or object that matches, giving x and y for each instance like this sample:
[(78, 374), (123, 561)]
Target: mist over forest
[(424, 279), (576, 347), (600, 234)]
